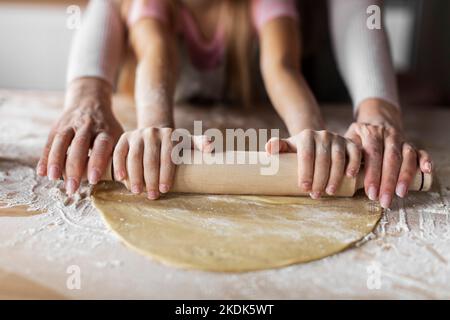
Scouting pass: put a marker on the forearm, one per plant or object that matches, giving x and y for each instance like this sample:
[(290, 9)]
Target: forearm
[(97, 47), (293, 100), (154, 45), (154, 93), (362, 54)]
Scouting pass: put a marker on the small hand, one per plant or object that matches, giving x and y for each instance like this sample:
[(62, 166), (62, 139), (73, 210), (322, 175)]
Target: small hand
[(87, 122), (144, 156), (323, 159), (390, 162)]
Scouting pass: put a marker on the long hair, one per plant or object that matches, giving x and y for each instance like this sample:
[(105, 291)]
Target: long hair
[(239, 50), (238, 37)]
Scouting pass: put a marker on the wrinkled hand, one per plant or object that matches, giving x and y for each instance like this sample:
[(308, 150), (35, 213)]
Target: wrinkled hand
[(143, 156), (87, 122), (323, 159), (390, 162)]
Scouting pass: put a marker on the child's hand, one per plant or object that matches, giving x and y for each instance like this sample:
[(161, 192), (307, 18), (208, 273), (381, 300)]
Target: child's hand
[(144, 157), (323, 158)]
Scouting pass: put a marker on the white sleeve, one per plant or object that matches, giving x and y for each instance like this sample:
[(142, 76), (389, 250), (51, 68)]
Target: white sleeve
[(362, 54), (97, 46)]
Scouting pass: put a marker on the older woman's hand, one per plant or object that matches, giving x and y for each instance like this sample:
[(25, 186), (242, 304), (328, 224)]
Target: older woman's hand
[(390, 161), (86, 123), (323, 159)]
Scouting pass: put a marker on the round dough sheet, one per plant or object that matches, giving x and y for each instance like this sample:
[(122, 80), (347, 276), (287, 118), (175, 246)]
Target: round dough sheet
[(235, 233)]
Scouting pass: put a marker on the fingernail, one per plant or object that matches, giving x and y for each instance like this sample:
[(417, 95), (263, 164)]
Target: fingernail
[(153, 195), (120, 175), (41, 170), (136, 189), (385, 201), (164, 188), (373, 193), (401, 190), (315, 195), (428, 166), (71, 186), (306, 186), (331, 190), (94, 176), (53, 173), (351, 173)]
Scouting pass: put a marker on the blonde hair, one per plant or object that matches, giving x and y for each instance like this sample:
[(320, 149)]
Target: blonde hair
[(238, 37)]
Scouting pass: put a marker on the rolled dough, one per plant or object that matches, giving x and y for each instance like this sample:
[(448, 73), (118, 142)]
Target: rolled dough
[(234, 233)]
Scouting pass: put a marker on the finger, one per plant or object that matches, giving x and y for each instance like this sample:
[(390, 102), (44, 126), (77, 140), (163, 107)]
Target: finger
[(167, 167), (305, 158), (277, 145), (392, 160), (373, 159), (58, 152), (354, 135), (120, 159), (338, 151), (425, 162), (76, 159), (322, 164), (100, 155), (135, 170), (354, 159), (151, 163), (407, 170), (203, 143), (43, 161)]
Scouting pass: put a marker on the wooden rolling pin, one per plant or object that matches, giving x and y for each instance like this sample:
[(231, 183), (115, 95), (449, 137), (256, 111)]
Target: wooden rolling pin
[(247, 178)]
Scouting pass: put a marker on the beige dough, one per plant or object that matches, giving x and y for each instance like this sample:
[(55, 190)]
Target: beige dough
[(235, 233)]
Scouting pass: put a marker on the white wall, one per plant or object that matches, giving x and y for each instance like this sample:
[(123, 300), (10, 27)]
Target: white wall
[(34, 45)]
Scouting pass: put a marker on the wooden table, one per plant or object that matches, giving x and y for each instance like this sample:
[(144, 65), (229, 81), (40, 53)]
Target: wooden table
[(409, 253)]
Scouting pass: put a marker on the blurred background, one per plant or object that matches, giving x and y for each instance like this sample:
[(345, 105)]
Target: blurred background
[(35, 42)]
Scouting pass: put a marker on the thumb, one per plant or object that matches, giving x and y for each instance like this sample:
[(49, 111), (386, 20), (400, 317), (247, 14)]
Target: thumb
[(202, 143), (277, 145)]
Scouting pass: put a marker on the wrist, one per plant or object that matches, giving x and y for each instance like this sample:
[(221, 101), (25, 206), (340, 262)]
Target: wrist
[(305, 122), (88, 93), (161, 121), (379, 112)]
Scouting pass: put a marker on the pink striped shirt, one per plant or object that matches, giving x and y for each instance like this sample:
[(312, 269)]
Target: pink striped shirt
[(208, 55)]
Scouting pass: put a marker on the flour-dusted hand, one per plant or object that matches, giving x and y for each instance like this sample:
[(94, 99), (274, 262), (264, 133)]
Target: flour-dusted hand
[(143, 158), (390, 162), (323, 159), (86, 123)]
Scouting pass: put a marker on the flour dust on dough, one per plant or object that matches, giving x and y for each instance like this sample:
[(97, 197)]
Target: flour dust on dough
[(234, 233)]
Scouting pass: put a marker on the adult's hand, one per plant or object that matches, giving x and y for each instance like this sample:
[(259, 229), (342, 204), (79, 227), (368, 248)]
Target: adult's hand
[(390, 161), (323, 159), (86, 123)]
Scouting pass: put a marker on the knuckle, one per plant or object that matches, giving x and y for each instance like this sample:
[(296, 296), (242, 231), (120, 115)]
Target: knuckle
[(408, 150), (374, 151), (307, 133), (134, 157), (307, 156), (394, 156), (82, 139), (339, 154), (61, 135), (166, 131)]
